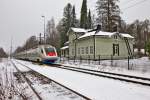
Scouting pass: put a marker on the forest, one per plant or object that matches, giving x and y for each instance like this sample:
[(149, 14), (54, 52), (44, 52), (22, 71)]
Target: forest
[(107, 15)]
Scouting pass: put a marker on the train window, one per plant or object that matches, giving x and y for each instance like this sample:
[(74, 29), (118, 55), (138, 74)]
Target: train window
[(49, 50)]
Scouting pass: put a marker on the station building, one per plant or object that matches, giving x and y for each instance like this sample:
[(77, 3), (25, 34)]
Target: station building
[(96, 43)]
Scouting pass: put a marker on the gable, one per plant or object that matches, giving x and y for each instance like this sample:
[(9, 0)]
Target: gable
[(76, 30)]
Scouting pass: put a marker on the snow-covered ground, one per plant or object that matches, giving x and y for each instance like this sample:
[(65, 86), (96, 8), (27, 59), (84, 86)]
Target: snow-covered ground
[(137, 67), (14, 87), (96, 88), (11, 87), (49, 90)]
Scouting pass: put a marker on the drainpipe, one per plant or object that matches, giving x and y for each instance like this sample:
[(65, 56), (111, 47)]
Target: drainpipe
[(76, 46), (94, 39), (94, 45)]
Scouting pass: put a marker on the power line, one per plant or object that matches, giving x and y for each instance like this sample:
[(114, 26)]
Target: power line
[(134, 5), (126, 2)]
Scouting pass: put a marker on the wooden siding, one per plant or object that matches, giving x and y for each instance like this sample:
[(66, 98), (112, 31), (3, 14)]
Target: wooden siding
[(103, 47)]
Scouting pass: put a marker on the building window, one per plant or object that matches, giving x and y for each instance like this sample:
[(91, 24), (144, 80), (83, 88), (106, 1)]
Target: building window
[(116, 49), (78, 50), (91, 49), (82, 50), (115, 36), (72, 51), (87, 50)]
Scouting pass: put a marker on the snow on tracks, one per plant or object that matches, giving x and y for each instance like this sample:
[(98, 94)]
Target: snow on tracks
[(65, 92), (97, 88)]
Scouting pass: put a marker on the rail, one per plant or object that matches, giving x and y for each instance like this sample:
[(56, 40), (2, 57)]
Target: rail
[(79, 94)]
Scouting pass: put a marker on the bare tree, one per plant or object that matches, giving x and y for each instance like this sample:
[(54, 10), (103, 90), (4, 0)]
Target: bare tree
[(53, 37)]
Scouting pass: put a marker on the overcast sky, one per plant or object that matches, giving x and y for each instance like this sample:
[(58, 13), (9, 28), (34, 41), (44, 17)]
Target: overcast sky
[(21, 19)]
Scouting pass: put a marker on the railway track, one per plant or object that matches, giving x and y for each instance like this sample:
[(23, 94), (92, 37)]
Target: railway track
[(80, 95), (116, 76), (121, 77), (27, 81)]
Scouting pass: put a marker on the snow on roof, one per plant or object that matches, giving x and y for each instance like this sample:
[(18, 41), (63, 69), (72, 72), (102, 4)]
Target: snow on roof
[(100, 33), (126, 35), (67, 42), (65, 47), (87, 34), (78, 30)]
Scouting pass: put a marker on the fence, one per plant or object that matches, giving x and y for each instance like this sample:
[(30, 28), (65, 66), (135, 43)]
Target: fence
[(138, 64)]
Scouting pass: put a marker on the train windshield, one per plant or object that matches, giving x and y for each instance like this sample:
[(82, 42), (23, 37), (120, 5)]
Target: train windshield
[(50, 51)]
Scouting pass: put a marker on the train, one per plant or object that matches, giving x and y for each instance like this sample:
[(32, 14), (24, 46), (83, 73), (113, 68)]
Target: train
[(41, 53)]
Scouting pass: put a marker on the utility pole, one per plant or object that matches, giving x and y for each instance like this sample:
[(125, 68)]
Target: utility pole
[(40, 42), (94, 46), (76, 45), (10, 55), (108, 16), (44, 30)]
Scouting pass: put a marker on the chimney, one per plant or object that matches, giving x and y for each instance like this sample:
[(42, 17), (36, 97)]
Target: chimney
[(98, 28)]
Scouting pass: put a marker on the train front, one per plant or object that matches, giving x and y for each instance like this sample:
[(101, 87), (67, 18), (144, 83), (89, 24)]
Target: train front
[(50, 55)]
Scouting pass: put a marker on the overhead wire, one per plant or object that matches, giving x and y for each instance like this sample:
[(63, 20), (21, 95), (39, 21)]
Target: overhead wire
[(126, 2), (140, 2)]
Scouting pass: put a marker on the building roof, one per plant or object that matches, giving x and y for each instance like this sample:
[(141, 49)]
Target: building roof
[(101, 33), (65, 47), (126, 35), (66, 43), (77, 30)]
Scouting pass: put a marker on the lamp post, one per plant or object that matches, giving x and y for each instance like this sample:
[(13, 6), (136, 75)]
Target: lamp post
[(44, 30)]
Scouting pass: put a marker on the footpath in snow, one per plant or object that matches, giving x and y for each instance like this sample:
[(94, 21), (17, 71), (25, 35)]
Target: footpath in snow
[(96, 88)]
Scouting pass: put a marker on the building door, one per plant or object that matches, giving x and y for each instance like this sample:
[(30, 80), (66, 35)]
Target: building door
[(115, 49)]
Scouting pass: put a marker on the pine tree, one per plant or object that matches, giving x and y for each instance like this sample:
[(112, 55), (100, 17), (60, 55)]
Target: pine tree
[(74, 22), (89, 20), (108, 13), (67, 16), (65, 24), (83, 18), (2, 53)]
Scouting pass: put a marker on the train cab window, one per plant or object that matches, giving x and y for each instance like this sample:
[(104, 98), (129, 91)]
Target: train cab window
[(50, 51), (41, 50)]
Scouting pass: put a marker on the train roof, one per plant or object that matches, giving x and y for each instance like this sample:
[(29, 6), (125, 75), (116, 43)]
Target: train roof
[(42, 45)]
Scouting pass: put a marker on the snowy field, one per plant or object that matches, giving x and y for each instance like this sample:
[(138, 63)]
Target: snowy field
[(96, 88), (137, 67)]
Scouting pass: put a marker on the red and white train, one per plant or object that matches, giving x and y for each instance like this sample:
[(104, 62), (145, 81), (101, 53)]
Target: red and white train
[(41, 53)]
